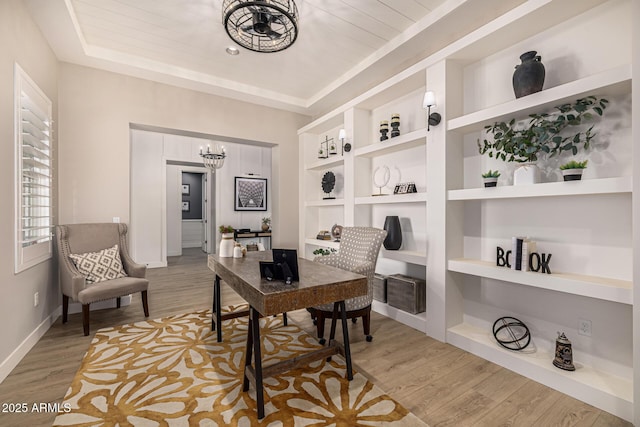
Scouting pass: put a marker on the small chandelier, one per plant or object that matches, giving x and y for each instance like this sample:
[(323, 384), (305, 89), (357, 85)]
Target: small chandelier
[(213, 159), (261, 25)]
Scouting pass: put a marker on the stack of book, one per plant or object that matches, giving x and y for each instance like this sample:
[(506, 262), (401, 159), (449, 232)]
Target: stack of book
[(520, 250)]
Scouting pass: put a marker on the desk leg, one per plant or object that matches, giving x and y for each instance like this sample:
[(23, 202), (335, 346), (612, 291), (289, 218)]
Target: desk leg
[(216, 308), (254, 318), (247, 356), (345, 334)]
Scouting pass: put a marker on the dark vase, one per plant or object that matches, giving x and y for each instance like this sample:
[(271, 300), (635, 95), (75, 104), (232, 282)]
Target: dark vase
[(393, 241), (528, 77)]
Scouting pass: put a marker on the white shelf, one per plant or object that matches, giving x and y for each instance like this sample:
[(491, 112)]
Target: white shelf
[(392, 198), (608, 83), (328, 202), (323, 243), (392, 145), (605, 391), (331, 161), (569, 188), (416, 321), (590, 286), (412, 257)]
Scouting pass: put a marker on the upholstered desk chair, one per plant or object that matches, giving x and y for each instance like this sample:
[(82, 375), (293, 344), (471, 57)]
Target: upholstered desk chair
[(95, 265), (359, 248)]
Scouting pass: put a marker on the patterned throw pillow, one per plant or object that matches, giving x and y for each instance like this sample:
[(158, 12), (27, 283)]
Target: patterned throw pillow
[(100, 266)]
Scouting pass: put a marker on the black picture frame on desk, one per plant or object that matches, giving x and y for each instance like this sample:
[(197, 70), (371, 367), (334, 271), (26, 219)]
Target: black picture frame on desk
[(250, 194), (284, 266)]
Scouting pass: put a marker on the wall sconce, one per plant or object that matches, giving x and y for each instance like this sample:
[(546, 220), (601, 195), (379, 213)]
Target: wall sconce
[(342, 136), (429, 100)]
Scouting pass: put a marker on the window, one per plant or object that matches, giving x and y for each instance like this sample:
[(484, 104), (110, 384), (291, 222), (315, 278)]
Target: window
[(34, 210)]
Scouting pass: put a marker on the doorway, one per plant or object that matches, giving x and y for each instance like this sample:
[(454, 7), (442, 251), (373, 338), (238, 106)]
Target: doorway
[(189, 211), (193, 210)]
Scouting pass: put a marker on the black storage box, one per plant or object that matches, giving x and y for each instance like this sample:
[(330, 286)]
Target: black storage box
[(380, 287), (407, 293)]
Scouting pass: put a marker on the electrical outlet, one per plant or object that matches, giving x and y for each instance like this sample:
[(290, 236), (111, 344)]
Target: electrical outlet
[(36, 299), (116, 219), (584, 327)]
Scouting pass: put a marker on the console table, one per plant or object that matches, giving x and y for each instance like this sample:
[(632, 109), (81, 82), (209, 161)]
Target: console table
[(253, 234)]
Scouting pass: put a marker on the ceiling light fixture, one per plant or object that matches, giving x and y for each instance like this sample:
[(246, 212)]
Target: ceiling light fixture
[(231, 50), (261, 25), (213, 159)]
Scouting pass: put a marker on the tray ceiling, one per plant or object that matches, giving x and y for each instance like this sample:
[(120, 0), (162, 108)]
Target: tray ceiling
[(183, 43)]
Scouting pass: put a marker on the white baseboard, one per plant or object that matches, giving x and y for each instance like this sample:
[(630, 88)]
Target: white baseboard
[(157, 264), (16, 356), (192, 244)]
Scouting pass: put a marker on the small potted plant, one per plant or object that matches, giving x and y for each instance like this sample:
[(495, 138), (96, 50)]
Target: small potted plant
[(572, 171), (491, 178), (324, 252), (543, 135), (266, 223)]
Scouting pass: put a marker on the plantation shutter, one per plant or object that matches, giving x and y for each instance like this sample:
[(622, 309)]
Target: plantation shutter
[(34, 205)]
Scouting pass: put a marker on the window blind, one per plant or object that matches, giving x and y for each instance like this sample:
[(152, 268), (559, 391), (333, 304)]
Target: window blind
[(34, 204)]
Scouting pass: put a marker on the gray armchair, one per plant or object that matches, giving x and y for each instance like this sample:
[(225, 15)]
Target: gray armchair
[(359, 248), (85, 238)]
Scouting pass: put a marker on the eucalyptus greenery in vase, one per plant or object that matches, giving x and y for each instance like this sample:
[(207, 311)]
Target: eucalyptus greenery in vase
[(544, 134)]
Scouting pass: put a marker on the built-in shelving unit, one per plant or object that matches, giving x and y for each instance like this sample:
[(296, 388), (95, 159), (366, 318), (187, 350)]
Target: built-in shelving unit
[(621, 184), (586, 382), (471, 78), (416, 321), (323, 243), (589, 286), (327, 163), (412, 257), (612, 82), (327, 202), (393, 145), (392, 198)]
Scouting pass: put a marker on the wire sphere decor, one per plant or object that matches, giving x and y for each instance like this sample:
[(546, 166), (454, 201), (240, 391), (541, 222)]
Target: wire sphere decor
[(511, 333), (261, 25)]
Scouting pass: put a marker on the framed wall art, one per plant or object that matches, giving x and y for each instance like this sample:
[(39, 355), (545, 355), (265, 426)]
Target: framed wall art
[(186, 207), (250, 194), (186, 189)]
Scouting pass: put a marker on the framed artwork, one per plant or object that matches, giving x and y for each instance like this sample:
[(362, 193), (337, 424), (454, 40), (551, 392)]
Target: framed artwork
[(186, 188), (185, 207), (250, 194)]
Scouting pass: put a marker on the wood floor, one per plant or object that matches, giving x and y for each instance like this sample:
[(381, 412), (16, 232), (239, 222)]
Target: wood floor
[(439, 383)]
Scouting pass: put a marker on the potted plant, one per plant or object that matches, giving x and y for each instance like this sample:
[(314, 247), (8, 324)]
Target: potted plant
[(542, 135), (227, 243), (572, 171), (323, 252), (266, 223), (491, 178)]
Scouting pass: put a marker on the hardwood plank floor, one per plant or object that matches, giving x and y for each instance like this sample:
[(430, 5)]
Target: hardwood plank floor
[(441, 384)]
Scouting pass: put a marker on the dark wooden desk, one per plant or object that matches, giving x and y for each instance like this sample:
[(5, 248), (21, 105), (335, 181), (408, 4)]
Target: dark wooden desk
[(319, 284)]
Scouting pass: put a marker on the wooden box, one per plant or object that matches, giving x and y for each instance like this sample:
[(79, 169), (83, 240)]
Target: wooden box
[(380, 287), (407, 293)]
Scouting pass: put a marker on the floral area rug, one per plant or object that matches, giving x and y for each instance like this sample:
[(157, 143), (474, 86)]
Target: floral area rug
[(172, 372)]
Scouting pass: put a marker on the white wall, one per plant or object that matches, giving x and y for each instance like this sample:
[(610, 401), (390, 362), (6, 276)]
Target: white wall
[(154, 221), (96, 110), (21, 42)]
